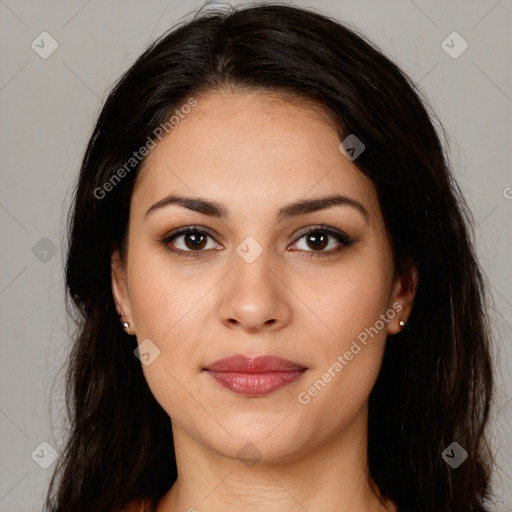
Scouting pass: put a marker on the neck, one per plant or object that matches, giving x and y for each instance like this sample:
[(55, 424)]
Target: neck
[(330, 475)]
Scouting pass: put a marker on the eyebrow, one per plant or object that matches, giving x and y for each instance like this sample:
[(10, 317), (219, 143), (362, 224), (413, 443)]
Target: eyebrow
[(215, 209)]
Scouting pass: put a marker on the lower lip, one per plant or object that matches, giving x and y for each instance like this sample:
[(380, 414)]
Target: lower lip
[(254, 384)]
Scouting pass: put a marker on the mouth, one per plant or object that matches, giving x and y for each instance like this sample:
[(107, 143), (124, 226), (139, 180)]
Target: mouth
[(254, 376)]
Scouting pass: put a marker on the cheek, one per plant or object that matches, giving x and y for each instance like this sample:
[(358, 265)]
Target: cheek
[(347, 366), (160, 297), (164, 307), (352, 298), (354, 304), (332, 399), (166, 318), (167, 311)]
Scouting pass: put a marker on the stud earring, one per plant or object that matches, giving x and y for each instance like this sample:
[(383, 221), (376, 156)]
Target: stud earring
[(401, 323), (125, 324)]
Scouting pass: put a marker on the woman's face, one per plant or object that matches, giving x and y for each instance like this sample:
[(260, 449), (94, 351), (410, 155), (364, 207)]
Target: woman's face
[(254, 283)]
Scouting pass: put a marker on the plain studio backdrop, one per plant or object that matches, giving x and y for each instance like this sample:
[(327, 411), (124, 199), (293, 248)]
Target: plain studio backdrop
[(50, 96)]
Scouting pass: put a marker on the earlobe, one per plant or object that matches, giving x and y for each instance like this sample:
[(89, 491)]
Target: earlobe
[(402, 299)]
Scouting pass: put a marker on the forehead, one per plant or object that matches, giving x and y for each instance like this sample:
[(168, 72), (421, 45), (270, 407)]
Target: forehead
[(254, 149)]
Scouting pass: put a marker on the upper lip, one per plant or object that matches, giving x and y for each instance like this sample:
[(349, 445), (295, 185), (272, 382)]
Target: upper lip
[(253, 364)]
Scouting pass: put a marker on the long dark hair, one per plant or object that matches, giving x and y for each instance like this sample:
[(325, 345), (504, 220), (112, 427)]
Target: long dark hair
[(436, 383)]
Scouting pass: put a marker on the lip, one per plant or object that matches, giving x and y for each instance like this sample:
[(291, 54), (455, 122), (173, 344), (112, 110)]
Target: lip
[(254, 376)]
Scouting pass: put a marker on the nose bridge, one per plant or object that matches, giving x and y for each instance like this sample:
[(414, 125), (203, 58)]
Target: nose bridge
[(254, 297), (253, 270)]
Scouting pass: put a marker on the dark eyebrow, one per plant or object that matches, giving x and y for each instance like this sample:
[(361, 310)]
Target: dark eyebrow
[(196, 204), (320, 203), (215, 209)]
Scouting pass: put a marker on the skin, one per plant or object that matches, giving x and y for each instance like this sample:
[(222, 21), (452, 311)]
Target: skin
[(254, 153)]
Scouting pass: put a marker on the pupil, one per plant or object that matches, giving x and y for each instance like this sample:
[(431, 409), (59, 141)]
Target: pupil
[(197, 240), (319, 241)]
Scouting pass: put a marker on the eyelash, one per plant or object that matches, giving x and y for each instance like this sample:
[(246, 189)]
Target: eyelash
[(345, 241)]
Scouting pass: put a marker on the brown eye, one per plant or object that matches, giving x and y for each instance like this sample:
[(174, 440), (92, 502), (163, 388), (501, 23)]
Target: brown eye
[(189, 241), (317, 239), (195, 240)]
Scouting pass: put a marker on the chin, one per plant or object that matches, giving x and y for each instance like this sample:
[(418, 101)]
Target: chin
[(269, 440)]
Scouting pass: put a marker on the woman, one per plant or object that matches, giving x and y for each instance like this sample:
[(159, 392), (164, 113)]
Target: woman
[(280, 307)]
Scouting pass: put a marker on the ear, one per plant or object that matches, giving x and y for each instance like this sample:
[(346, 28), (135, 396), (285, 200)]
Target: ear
[(120, 289), (402, 295)]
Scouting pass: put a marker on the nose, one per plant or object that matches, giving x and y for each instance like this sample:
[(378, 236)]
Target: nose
[(255, 297)]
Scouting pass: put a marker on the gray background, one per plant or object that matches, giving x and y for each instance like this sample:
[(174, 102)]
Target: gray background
[(48, 107)]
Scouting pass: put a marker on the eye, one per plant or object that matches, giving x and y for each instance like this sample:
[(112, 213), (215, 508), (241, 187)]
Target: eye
[(190, 241), (193, 241), (321, 237)]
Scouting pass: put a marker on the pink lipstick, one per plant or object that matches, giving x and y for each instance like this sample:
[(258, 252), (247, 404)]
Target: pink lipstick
[(253, 376)]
